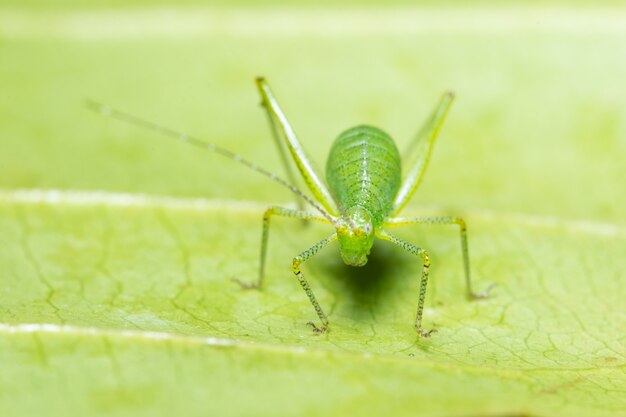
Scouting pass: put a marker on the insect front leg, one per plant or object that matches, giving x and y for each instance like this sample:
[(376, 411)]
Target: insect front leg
[(407, 221), (275, 211), (295, 266), (423, 281)]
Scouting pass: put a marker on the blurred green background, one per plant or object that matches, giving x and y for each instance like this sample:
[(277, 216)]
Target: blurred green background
[(538, 126), (532, 153)]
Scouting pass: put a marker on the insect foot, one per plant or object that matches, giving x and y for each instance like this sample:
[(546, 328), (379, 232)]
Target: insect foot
[(318, 330), (482, 294), (425, 334), (247, 285)]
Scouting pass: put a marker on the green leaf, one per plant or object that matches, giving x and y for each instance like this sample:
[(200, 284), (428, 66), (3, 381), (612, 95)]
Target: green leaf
[(131, 298), (115, 301)]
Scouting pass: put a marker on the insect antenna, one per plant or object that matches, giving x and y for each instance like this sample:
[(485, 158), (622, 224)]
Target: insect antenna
[(113, 113)]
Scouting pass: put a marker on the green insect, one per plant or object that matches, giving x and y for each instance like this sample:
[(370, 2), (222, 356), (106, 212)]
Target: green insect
[(361, 200)]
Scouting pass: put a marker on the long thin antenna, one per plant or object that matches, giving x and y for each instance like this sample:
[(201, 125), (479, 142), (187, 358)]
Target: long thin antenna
[(108, 111)]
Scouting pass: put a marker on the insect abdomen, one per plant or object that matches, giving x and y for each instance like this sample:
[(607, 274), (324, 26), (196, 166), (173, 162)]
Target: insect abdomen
[(363, 168)]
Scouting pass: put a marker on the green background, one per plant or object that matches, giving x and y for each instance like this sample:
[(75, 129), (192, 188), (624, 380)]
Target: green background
[(115, 290)]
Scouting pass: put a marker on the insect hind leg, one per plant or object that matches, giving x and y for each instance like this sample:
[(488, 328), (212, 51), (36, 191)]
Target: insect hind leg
[(307, 171), (418, 153), (276, 135)]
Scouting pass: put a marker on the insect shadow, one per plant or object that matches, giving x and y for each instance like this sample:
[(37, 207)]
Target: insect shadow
[(373, 288), (371, 278)]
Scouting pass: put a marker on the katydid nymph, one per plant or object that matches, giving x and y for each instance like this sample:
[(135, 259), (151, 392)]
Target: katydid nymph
[(361, 199)]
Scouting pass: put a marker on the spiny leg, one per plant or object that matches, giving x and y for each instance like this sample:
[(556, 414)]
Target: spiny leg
[(275, 211), (407, 221), (423, 281), (295, 266), (418, 153)]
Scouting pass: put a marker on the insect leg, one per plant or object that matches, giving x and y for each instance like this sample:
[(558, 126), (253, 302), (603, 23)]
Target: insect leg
[(281, 151), (295, 266), (310, 176), (275, 211), (423, 281), (407, 221), (418, 153)]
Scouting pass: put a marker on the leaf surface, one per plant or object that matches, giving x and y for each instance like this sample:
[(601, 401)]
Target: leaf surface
[(115, 301)]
